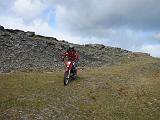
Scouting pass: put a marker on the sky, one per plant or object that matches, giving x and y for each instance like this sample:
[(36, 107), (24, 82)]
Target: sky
[(129, 24)]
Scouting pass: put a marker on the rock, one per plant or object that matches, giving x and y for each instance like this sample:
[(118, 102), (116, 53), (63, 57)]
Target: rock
[(60, 48), (30, 34), (19, 32), (50, 43), (98, 46), (55, 60), (20, 50), (1, 27), (6, 35)]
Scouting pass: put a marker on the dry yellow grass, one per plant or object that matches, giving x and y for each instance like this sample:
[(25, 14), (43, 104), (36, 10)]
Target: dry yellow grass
[(121, 92)]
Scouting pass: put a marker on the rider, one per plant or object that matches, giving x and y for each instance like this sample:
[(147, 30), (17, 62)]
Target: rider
[(72, 55)]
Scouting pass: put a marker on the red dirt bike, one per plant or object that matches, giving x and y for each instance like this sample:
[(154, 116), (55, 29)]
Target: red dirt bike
[(69, 72)]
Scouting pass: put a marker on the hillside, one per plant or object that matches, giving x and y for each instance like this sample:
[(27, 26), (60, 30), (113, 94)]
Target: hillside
[(112, 83), (128, 91), (21, 50)]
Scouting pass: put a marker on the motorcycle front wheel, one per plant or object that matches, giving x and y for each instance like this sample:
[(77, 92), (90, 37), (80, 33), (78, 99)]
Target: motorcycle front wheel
[(66, 79)]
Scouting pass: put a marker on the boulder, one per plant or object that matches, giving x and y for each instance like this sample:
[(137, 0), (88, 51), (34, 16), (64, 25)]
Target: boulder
[(30, 34), (55, 60), (1, 27)]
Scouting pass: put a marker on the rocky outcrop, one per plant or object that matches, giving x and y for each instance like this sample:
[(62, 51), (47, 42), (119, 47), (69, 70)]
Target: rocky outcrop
[(25, 50), (30, 34), (1, 27)]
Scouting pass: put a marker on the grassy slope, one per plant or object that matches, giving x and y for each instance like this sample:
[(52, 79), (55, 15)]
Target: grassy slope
[(124, 92)]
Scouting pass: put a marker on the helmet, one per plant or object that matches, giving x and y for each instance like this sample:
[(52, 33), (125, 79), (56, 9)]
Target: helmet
[(71, 48)]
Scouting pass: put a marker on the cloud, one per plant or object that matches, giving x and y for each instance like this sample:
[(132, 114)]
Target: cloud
[(38, 25), (28, 9), (26, 15), (91, 17), (152, 49), (12, 22), (124, 23), (5, 6), (156, 36), (126, 39)]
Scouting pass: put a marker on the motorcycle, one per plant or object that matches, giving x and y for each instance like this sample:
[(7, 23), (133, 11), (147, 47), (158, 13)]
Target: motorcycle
[(69, 72)]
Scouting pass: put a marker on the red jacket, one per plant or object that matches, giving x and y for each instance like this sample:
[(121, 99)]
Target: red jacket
[(72, 55)]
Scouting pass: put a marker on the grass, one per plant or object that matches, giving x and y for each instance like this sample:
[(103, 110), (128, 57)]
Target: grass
[(128, 91)]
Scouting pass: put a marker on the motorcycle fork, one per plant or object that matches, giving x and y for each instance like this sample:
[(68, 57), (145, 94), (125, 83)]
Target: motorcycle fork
[(69, 73)]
